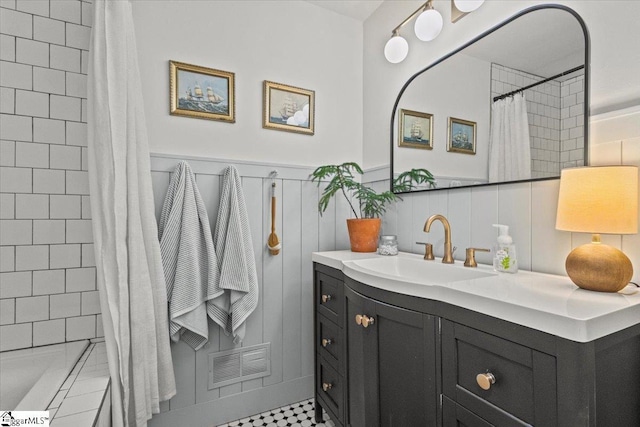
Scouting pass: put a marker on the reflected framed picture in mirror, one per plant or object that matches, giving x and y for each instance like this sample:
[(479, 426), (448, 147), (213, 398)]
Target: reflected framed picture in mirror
[(415, 130), (461, 136)]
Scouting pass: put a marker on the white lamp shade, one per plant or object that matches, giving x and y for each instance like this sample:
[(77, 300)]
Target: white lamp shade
[(600, 199), (467, 5), (428, 25), (396, 49)]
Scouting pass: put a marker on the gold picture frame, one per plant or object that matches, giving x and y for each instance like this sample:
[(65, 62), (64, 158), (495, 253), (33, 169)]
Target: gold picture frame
[(415, 130), (288, 108), (461, 136), (200, 92)]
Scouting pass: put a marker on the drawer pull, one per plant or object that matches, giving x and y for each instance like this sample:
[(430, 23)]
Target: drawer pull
[(485, 381), (326, 298), (327, 386), (326, 342), (359, 319), (366, 321)]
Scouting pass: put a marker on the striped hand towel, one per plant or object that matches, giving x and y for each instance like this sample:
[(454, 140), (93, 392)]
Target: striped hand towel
[(189, 259), (234, 246)]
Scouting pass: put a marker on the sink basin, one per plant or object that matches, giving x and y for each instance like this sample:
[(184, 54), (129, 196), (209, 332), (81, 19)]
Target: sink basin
[(417, 270)]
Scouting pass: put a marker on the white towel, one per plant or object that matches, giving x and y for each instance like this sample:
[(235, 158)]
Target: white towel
[(238, 275), (189, 259)]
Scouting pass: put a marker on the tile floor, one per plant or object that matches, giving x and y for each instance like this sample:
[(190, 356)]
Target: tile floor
[(295, 415)]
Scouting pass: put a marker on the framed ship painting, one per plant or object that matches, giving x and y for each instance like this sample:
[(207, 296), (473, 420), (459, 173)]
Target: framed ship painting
[(201, 92), (288, 108), (416, 130), (462, 136)]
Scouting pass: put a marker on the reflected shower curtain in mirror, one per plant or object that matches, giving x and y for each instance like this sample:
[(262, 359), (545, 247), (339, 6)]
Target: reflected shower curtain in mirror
[(130, 278), (509, 144)]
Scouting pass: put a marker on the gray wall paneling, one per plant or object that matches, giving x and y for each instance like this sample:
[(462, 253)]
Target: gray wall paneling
[(273, 290), (291, 279), (253, 189), (309, 243), (327, 228), (528, 208), (284, 316)]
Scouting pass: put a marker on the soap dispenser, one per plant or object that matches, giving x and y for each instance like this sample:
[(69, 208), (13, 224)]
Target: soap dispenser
[(504, 253)]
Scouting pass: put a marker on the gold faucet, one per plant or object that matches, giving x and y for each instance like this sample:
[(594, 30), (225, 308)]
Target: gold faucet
[(448, 252)]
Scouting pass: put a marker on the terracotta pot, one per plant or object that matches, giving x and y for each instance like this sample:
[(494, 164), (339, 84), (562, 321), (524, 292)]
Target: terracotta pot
[(363, 234)]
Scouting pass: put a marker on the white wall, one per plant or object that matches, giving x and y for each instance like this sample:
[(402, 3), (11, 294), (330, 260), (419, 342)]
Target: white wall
[(290, 42), (615, 63)]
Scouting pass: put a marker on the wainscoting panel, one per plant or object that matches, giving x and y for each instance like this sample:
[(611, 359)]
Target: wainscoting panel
[(528, 208), (284, 316)]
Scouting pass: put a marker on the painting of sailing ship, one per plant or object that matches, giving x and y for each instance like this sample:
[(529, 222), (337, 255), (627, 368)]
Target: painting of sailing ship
[(202, 92), (462, 136), (416, 129), (288, 108)]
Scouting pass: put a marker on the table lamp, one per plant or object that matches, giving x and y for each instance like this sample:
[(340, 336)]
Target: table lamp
[(600, 199)]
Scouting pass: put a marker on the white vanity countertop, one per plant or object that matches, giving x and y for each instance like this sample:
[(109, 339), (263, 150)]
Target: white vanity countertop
[(545, 302)]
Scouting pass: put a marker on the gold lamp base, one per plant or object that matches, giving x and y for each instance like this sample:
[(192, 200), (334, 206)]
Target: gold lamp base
[(599, 267)]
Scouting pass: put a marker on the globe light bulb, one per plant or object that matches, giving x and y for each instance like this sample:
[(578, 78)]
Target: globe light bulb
[(428, 25), (396, 49), (467, 6)]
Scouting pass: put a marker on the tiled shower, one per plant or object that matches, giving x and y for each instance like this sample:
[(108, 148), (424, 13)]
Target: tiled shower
[(48, 282), (556, 117)]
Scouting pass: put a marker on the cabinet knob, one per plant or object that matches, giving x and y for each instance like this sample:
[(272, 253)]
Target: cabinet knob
[(326, 342), (326, 298), (327, 386), (359, 319), (366, 321), (486, 380)]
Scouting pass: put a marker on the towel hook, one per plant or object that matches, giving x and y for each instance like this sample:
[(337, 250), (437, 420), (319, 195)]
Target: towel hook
[(273, 243)]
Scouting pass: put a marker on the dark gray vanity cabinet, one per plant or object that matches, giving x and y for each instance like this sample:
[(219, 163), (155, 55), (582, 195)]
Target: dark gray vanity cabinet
[(421, 362), (375, 363), (391, 375)]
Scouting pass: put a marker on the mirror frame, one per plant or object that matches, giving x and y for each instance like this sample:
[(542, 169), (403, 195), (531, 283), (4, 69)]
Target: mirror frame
[(587, 73)]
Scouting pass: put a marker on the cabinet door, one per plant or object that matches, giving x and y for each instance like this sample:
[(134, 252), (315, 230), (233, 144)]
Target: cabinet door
[(391, 365), (357, 376)]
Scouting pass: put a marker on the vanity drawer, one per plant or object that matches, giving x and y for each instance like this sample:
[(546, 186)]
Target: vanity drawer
[(454, 415), (330, 387), (329, 297), (330, 342), (524, 384)]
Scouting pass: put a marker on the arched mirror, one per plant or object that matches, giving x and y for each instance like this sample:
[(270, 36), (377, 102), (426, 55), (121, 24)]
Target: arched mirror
[(512, 105)]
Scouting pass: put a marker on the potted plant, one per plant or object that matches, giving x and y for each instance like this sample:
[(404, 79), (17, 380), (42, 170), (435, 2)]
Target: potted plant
[(365, 227)]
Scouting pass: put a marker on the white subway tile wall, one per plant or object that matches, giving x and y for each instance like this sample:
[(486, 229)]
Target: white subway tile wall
[(555, 109), (572, 118), (47, 269)]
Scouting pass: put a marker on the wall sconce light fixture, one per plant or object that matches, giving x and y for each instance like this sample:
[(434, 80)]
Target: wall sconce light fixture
[(599, 199), (460, 8), (427, 27)]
